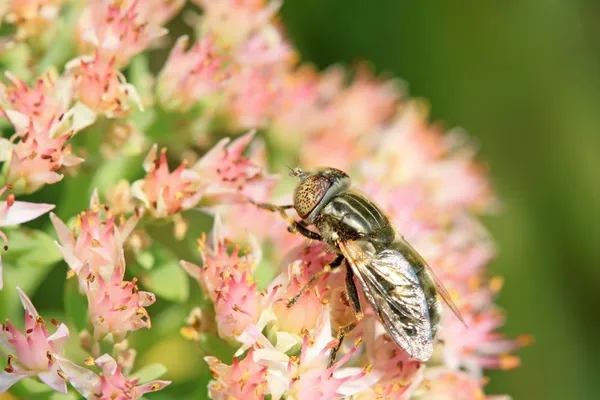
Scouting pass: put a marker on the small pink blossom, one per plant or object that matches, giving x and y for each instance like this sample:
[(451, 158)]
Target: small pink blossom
[(32, 17), (41, 103), (306, 376), (111, 384), (252, 96), (443, 384), (234, 21), (305, 313), (17, 212), (226, 173), (117, 306), (479, 346), (245, 379), (164, 193), (102, 88), (96, 245), (189, 77), (34, 352), (117, 29), (219, 262), (37, 156), (237, 304)]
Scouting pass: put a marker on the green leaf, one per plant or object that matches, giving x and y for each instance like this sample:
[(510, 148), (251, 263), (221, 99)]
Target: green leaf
[(169, 281), (76, 305), (31, 248), (150, 372)]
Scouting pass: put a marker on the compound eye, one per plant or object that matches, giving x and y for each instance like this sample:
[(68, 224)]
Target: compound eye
[(309, 194)]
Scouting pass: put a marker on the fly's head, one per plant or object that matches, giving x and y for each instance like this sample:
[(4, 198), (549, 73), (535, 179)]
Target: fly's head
[(316, 188)]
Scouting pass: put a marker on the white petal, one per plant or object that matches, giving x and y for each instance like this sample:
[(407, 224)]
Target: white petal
[(82, 379), (355, 386), (9, 379), (52, 379), (60, 336), (20, 121), (286, 341), (106, 361), (22, 211), (89, 35), (27, 304), (83, 116)]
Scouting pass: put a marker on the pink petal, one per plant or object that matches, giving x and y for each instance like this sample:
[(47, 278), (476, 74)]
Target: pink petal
[(22, 211), (9, 379), (106, 362), (63, 232)]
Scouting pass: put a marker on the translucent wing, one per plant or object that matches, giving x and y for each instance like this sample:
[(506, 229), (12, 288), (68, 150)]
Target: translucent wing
[(441, 289), (393, 289)]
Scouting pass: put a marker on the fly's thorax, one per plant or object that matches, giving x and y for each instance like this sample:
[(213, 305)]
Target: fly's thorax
[(316, 188), (354, 217)]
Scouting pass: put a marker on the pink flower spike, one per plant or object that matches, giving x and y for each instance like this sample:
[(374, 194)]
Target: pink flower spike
[(228, 176), (35, 351), (38, 155), (234, 21), (32, 17), (117, 29), (102, 88), (117, 306), (237, 305), (189, 77), (96, 242), (245, 379), (48, 98), (220, 262), (110, 384)]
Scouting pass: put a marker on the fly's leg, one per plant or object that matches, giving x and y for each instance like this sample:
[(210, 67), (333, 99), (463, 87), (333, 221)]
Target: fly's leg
[(326, 269), (356, 310), (293, 225)]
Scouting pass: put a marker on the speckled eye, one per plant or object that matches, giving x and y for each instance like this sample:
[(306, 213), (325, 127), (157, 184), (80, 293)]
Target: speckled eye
[(309, 193)]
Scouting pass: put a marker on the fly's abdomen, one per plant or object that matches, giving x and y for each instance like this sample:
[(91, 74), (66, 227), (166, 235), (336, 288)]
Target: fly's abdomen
[(354, 217)]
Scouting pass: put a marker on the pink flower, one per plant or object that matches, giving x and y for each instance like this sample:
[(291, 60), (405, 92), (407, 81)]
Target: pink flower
[(226, 174), (479, 347), (34, 352), (443, 384), (244, 379), (234, 21), (188, 78), (305, 313), (41, 103), (102, 88), (32, 17), (400, 375), (37, 156), (252, 96), (117, 30), (17, 212), (219, 263), (306, 376), (237, 304), (96, 245), (117, 306), (164, 193), (111, 384)]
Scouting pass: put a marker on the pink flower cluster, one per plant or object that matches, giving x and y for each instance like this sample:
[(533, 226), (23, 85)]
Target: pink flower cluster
[(242, 75)]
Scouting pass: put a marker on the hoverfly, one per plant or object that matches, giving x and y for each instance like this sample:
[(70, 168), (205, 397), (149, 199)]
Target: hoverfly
[(395, 279)]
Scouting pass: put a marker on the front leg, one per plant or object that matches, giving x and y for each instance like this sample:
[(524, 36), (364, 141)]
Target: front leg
[(293, 225)]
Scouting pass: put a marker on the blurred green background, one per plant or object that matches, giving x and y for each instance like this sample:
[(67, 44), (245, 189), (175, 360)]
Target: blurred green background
[(524, 78)]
